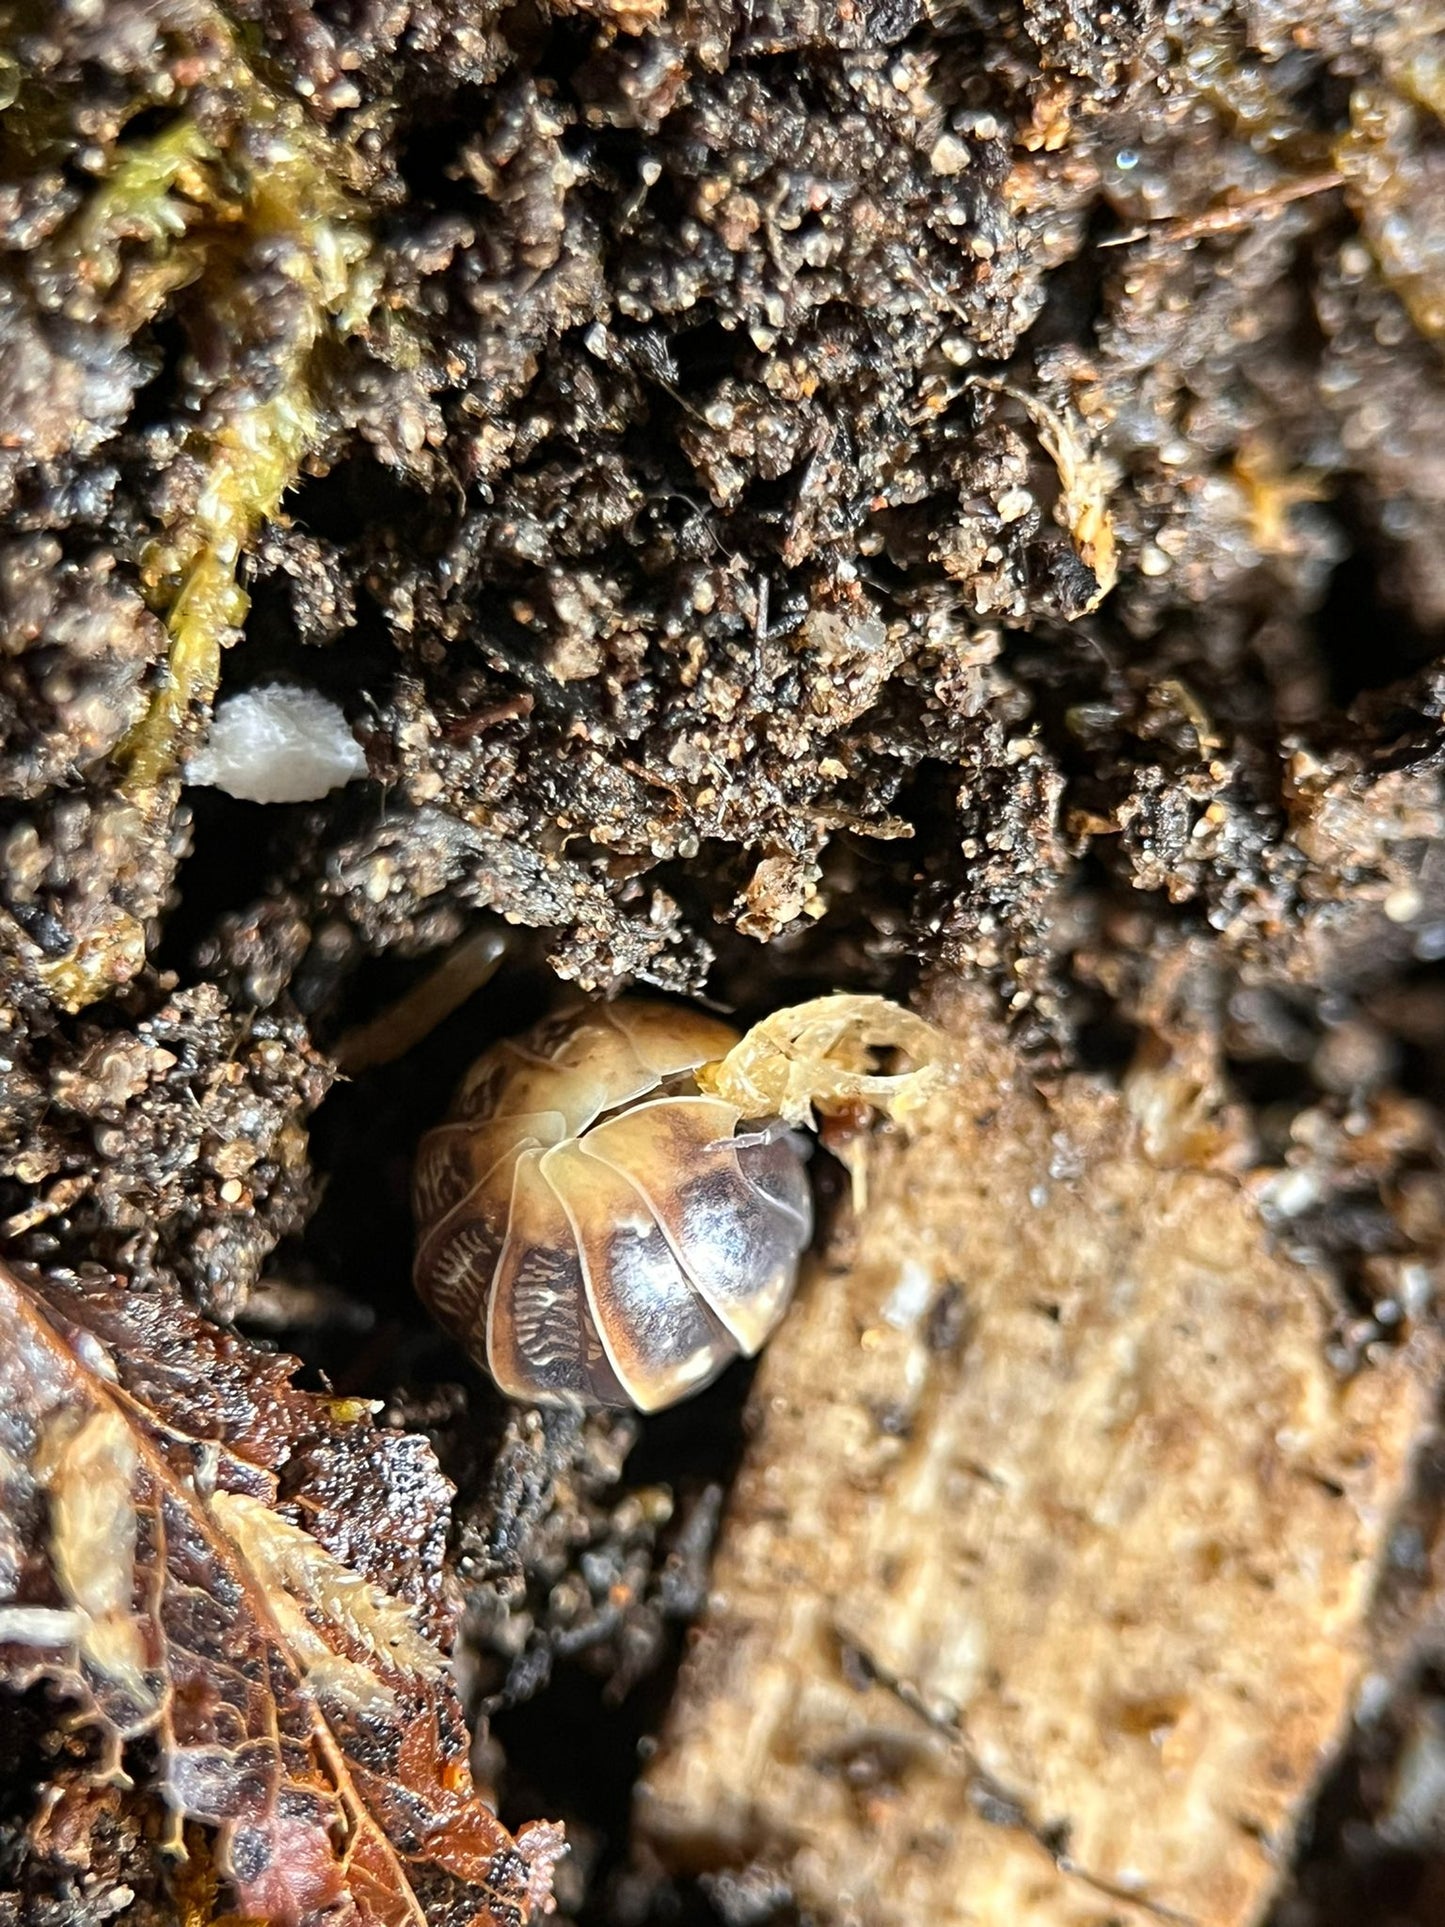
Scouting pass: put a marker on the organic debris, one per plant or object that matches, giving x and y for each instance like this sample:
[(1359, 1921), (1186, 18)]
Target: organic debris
[(255, 1674), (1042, 1593)]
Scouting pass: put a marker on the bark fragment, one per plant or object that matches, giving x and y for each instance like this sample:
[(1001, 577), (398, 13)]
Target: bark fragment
[(1043, 1590)]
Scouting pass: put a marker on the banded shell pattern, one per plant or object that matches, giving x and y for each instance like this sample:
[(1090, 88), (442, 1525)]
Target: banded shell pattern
[(592, 1227)]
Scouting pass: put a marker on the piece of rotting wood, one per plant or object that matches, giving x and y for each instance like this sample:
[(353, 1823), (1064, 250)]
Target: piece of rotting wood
[(1043, 1590)]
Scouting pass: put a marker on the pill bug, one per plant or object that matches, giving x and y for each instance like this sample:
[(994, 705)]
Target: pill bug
[(593, 1227)]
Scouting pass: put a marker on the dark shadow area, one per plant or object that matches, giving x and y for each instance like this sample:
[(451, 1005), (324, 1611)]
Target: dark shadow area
[(1366, 638)]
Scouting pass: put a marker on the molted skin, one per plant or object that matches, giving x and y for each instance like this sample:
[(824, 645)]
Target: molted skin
[(594, 1229)]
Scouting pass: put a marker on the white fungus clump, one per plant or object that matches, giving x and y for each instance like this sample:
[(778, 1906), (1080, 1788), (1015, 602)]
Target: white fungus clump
[(278, 744)]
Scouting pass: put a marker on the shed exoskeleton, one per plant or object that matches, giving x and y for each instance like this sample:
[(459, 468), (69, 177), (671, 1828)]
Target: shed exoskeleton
[(593, 1227)]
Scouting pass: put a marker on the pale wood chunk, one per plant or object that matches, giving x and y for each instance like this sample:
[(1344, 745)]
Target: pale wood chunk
[(1042, 1594)]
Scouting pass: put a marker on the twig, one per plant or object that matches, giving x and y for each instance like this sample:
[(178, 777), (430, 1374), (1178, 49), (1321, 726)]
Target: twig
[(1229, 215), (463, 971)]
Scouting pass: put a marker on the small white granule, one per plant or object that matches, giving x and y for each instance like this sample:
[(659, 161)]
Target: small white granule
[(278, 744), (910, 1297)]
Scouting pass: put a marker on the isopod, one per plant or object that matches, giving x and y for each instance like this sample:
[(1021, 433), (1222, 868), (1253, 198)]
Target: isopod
[(594, 1227)]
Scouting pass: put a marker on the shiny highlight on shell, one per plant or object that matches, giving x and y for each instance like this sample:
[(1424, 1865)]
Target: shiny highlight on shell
[(593, 1228)]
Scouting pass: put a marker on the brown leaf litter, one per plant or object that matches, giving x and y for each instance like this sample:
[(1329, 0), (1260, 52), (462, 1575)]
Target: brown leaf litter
[(259, 1651)]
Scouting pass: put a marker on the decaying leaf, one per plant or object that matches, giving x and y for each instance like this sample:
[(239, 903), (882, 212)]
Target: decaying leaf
[(1043, 1593), (820, 1056), (154, 1474)]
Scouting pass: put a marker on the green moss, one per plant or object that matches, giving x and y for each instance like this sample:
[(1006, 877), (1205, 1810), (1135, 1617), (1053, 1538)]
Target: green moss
[(292, 207), (237, 177), (151, 198), (198, 219), (253, 443)]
